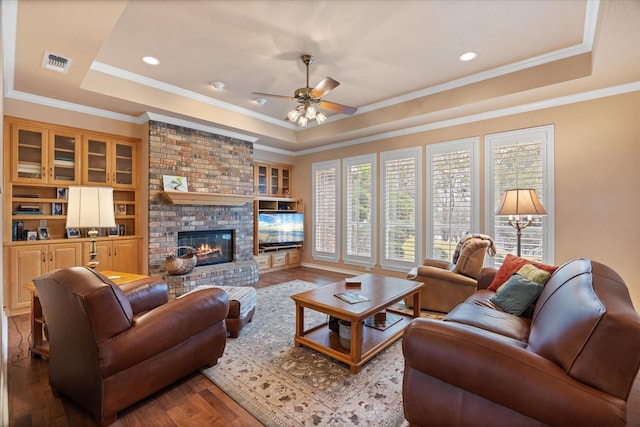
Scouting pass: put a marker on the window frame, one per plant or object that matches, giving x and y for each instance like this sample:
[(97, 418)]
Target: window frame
[(546, 135), (465, 144), (322, 255), (386, 156), (366, 261)]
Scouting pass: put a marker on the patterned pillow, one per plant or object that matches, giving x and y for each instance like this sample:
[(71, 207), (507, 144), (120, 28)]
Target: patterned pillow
[(517, 294), (511, 265)]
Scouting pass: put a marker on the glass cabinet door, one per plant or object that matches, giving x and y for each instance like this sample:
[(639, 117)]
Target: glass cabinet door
[(260, 179), (286, 187), (274, 188), (95, 168), (63, 158), (29, 150), (123, 174)]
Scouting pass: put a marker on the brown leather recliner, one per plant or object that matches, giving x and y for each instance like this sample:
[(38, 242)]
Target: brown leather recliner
[(571, 363), (110, 347), (448, 284)]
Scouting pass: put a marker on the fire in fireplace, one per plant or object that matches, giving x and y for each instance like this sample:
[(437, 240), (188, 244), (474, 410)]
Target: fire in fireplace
[(211, 246)]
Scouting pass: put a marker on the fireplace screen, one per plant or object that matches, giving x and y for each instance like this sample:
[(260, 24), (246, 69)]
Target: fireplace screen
[(212, 246)]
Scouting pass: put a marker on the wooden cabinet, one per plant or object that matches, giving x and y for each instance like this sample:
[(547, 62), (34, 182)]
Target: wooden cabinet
[(42, 160), (44, 156), (278, 259), (32, 260), (272, 180), (109, 161), (277, 256), (119, 255)]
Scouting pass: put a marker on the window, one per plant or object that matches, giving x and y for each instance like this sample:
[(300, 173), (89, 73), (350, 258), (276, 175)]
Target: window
[(359, 218), (452, 195), (401, 201), (326, 206), (521, 159)]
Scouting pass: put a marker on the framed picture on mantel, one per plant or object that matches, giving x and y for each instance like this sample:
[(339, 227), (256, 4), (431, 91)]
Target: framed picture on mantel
[(174, 183)]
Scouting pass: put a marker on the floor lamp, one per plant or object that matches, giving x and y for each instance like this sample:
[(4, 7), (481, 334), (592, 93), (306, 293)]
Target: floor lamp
[(92, 208), (517, 203)]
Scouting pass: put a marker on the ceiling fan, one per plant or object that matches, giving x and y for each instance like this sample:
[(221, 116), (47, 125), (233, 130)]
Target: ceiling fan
[(308, 98)]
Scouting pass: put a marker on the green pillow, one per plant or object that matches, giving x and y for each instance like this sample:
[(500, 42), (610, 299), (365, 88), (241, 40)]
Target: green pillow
[(534, 273), (517, 294)]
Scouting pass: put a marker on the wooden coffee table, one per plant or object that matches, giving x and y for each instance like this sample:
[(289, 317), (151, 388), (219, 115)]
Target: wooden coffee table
[(366, 342)]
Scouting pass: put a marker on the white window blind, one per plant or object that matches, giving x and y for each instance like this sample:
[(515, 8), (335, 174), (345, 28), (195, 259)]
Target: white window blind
[(401, 199), (521, 159), (326, 205), (359, 217), (452, 189)]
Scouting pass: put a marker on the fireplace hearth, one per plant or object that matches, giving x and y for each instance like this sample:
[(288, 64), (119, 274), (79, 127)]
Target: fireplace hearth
[(211, 246)]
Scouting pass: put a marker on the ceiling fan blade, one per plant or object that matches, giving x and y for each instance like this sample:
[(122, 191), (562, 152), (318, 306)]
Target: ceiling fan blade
[(291, 98), (324, 87), (338, 108)]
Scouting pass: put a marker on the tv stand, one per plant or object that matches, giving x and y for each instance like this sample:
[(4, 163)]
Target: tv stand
[(278, 247), (278, 256)]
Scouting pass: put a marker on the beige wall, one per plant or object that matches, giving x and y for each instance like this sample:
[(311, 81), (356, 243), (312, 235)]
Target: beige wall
[(597, 153), (597, 175)]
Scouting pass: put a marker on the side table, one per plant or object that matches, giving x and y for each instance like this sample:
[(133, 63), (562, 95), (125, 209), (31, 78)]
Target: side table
[(39, 346)]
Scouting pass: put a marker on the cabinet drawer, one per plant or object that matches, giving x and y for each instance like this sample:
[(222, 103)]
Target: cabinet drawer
[(278, 260), (294, 257), (264, 262)]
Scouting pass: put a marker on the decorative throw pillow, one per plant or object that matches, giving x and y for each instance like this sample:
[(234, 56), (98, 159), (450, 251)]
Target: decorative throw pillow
[(512, 264), (517, 294), (534, 274)]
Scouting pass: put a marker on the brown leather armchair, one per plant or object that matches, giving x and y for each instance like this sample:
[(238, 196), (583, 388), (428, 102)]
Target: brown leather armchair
[(111, 347), (449, 284)]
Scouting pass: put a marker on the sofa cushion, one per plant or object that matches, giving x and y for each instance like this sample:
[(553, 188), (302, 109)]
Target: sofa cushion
[(511, 265), (480, 312), (517, 294)]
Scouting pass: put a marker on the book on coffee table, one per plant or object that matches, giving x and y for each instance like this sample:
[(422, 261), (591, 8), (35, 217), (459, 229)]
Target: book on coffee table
[(352, 297)]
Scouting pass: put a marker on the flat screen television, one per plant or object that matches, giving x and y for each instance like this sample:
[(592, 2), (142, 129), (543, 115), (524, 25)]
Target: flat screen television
[(280, 228)]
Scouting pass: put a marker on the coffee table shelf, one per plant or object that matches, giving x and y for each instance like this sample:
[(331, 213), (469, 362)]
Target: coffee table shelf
[(321, 339), (366, 342)]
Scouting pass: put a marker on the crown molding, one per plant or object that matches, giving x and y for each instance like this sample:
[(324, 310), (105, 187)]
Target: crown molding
[(503, 112)]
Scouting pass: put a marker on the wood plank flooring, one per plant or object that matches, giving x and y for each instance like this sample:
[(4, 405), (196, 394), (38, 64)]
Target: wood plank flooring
[(192, 401)]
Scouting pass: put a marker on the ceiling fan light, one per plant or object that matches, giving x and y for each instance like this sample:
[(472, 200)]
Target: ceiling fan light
[(293, 115), (302, 122), (320, 118), (311, 113)]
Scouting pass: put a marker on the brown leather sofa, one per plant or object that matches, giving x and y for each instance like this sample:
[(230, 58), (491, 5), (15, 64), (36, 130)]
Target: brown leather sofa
[(448, 284), (572, 363), (111, 347)]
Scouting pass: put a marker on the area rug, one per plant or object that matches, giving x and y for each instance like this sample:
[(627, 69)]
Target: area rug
[(283, 385)]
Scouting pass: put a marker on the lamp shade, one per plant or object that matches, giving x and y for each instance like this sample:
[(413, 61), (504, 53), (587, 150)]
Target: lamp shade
[(90, 207), (521, 202)]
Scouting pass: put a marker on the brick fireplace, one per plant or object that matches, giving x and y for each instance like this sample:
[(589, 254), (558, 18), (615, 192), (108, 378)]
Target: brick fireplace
[(212, 164)]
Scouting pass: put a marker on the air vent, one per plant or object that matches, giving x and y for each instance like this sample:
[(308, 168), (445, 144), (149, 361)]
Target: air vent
[(56, 62)]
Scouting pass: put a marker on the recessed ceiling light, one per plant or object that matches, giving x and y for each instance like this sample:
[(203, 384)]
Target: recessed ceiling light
[(217, 85), (468, 56), (261, 101), (150, 60)]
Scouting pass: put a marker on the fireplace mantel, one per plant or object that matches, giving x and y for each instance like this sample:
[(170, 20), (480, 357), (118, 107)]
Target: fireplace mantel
[(208, 199)]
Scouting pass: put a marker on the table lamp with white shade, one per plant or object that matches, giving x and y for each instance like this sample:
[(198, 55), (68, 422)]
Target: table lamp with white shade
[(92, 208)]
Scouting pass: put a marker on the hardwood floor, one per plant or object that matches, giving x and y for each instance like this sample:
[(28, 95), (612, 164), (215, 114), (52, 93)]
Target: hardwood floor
[(192, 401)]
